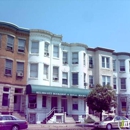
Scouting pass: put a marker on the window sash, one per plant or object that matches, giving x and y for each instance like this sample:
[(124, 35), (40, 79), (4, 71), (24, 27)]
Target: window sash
[(10, 41), (74, 57), (75, 78), (114, 65), (5, 100), (90, 79), (84, 60), (56, 51), (64, 56), (34, 70), (35, 47), (21, 45), (8, 67), (46, 47), (90, 60), (123, 83), (20, 66), (74, 104), (55, 72)]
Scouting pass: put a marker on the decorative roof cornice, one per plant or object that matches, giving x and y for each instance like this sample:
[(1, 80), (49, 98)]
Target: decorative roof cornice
[(121, 53), (13, 27), (74, 44), (45, 32)]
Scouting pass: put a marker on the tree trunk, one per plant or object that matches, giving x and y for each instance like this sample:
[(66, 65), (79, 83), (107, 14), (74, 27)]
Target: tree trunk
[(100, 116)]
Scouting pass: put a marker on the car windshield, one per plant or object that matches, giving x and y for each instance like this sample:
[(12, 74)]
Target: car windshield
[(108, 118)]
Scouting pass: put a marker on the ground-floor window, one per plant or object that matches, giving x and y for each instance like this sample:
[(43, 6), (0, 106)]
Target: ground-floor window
[(123, 105), (32, 99), (74, 103), (43, 101), (5, 99)]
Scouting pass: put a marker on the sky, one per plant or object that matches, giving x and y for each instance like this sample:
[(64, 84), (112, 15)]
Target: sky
[(97, 23)]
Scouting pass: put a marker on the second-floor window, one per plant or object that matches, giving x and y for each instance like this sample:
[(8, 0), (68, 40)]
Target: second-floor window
[(122, 65), (21, 45), (20, 67), (123, 83), (34, 70), (65, 78), (35, 47), (90, 62), (74, 78), (91, 81), (46, 49), (65, 57), (114, 65), (46, 71), (114, 83), (56, 51), (8, 67), (105, 80), (75, 58), (105, 62), (10, 43), (55, 73)]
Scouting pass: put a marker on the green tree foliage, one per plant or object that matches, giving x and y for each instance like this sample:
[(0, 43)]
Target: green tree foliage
[(101, 98)]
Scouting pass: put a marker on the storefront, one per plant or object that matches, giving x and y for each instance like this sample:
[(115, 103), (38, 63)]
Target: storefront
[(42, 99)]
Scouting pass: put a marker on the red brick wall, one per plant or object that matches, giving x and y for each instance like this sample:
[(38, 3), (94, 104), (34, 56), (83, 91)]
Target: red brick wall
[(13, 55)]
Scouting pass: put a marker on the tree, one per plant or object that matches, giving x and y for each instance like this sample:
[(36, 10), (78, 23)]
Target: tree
[(101, 98)]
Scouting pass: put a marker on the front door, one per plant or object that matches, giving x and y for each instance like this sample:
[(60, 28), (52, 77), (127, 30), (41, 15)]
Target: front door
[(53, 102), (64, 104), (17, 102)]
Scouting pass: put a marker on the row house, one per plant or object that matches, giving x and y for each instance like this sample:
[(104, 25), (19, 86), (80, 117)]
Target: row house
[(13, 67)]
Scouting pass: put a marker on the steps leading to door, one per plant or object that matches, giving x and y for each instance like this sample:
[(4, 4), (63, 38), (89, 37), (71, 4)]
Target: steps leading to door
[(70, 119), (19, 115)]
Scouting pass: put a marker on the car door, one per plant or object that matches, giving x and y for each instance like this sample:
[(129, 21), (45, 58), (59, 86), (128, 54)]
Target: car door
[(116, 121)]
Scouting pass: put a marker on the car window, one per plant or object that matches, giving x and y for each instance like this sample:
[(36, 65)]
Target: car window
[(117, 118), (108, 118), (123, 118)]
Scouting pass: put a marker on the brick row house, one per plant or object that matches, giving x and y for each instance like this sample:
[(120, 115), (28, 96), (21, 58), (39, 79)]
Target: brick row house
[(13, 67)]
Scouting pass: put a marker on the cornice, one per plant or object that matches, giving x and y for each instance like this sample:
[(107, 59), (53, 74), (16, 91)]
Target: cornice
[(121, 53)]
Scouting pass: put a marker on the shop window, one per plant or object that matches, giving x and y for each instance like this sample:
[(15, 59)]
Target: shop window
[(74, 103), (43, 101)]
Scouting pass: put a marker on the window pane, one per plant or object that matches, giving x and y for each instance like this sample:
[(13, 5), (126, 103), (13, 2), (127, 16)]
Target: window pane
[(35, 47), (20, 66), (107, 62), (43, 101), (64, 57), (74, 78), (46, 47), (34, 70), (56, 51), (75, 58), (55, 72), (21, 45), (10, 43), (5, 100), (64, 78), (8, 67), (103, 61)]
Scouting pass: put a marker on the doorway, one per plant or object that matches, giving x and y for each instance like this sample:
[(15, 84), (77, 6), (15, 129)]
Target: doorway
[(17, 102), (53, 102), (64, 104)]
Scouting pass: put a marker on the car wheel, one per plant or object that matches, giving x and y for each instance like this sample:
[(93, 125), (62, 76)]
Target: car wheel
[(109, 126), (15, 127)]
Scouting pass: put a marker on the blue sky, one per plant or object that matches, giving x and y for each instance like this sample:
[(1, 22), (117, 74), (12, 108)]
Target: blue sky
[(97, 23)]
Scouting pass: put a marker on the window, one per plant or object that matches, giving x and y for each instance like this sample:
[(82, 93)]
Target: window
[(114, 83), (90, 62), (123, 104), (84, 58), (10, 43), (56, 51), (55, 73), (105, 62), (65, 78), (114, 65), (8, 67), (45, 71), (0, 39), (75, 58), (122, 65), (6, 98), (32, 100), (20, 67), (21, 45), (65, 56), (35, 47), (74, 103), (91, 81), (34, 70), (123, 83), (46, 49), (43, 101), (105, 80), (74, 78), (84, 78)]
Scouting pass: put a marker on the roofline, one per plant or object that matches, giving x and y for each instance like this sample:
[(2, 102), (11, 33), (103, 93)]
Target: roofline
[(121, 53), (13, 26)]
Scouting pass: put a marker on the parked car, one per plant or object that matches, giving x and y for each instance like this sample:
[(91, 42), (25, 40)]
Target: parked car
[(9, 122), (111, 122)]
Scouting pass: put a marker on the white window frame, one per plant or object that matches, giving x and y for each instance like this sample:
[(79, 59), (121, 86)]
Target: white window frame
[(10, 43), (122, 66), (8, 94), (105, 62), (75, 58), (65, 78), (21, 45), (114, 83), (20, 67), (46, 71), (123, 83), (114, 65), (106, 80), (46, 49), (91, 83), (34, 48), (55, 73), (75, 80), (90, 62), (84, 58), (65, 57), (32, 70), (9, 67), (56, 51)]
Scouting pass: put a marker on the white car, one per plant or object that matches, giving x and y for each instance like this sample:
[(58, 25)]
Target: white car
[(111, 122)]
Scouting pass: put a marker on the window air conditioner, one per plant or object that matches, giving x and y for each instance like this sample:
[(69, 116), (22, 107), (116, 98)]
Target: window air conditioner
[(19, 74)]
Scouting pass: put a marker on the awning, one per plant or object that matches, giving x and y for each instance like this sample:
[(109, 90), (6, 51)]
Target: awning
[(52, 90)]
